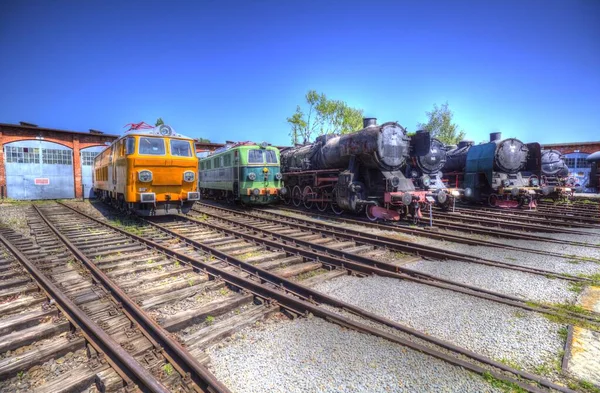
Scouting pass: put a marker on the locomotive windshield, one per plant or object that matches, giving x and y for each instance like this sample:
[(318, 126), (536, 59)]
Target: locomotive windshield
[(152, 146), (180, 148), (259, 156)]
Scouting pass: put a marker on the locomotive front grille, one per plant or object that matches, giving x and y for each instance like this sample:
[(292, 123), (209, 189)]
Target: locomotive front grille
[(148, 197)]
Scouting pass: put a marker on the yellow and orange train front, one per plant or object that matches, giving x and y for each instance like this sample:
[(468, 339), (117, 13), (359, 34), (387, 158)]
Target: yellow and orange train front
[(148, 173)]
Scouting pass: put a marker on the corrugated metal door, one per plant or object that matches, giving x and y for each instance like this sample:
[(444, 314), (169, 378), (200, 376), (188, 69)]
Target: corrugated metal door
[(87, 169), (38, 170)]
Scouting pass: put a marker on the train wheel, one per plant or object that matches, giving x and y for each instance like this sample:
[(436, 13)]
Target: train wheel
[(297, 196), (287, 198), (322, 205), (334, 206), (306, 195), (370, 216)]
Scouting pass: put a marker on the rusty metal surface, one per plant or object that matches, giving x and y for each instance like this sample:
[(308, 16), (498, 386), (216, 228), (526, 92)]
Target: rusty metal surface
[(119, 356), (199, 374)]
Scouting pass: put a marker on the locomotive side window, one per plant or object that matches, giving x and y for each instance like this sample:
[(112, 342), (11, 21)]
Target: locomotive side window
[(255, 156), (271, 157), (130, 146), (227, 160), (180, 148), (152, 146)]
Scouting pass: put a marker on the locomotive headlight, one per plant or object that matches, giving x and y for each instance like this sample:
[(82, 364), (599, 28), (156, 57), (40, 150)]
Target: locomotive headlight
[(145, 176), (414, 173), (407, 198), (468, 192), (189, 176), (505, 183), (455, 193), (264, 145), (165, 130), (251, 176), (256, 192), (534, 181), (395, 181), (283, 191), (514, 191), (442, 196), (278, 176), (426, 180)]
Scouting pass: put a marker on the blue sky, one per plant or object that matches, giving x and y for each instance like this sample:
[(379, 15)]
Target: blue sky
[(235, 70)]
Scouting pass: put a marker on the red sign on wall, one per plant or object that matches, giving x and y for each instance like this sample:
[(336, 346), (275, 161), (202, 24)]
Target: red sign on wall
[(41, 181)]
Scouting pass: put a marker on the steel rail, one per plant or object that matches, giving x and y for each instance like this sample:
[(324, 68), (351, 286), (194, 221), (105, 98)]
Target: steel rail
[(528, 219), (399, 229), (385, 269), (394, 244), (300, 306), (181, 359), (445, 217), (456, 227), (127, 366), (536, 215)]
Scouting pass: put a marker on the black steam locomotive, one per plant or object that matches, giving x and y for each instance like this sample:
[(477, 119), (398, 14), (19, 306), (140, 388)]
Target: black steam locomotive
[(554, 179), (358, 172), (426, 173), (493, 172)]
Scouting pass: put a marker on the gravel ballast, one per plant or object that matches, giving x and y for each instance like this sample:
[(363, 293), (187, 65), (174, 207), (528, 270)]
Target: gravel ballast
[(312, 355), (509, 282), (494, 330)]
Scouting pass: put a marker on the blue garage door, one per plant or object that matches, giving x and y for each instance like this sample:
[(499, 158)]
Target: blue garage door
[(87, 169), (38, 170)]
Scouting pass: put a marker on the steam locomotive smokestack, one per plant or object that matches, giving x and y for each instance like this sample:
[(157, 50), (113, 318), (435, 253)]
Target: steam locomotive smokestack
[(369, 122), (495, 136)]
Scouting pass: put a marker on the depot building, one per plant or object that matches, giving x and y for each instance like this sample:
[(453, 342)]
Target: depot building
[(46, 163)]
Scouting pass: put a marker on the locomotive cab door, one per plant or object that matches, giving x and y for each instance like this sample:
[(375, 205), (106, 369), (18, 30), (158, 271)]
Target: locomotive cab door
[(236, 174)]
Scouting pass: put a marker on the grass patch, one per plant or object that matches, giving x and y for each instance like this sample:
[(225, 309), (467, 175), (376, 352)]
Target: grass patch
[(312, 273), (510, 363), (520, 314), (249, 255), (507, 387), (168, 369), (584, 386), (563, 332), (209, 320), (576, 287)]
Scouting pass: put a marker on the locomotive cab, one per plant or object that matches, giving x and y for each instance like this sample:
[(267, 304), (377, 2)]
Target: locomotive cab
[(150, 172)]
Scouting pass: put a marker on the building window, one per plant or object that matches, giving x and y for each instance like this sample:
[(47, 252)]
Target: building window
[(57, 156), (22, 155), (87, 157), (570, 162)]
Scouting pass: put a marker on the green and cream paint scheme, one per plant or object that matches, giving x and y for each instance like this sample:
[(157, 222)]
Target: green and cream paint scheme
[(244, 172)]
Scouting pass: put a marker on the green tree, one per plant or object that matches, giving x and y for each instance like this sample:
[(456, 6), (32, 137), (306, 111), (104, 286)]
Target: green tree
[(203, 140), (159, 122), (440, 125), (323, 116)]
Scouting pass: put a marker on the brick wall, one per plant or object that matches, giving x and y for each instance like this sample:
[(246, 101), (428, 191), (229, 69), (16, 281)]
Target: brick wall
[(73, 140)]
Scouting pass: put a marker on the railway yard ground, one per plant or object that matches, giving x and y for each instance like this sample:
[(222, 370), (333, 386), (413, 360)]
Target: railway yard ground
[(283, 299)]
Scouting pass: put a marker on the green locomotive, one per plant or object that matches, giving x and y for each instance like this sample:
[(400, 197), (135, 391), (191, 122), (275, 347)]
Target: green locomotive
[(243, 172)]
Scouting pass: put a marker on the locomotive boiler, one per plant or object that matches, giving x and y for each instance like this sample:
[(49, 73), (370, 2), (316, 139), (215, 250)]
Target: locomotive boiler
[(554, 176), (493, 172), (357, 172), (426, 173)]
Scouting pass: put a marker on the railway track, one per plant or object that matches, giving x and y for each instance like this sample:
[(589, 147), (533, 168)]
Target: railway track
[(403, 229), (532, 217), (585, 210), (148, 349), (295, 298), (358, 245), (53, 311)]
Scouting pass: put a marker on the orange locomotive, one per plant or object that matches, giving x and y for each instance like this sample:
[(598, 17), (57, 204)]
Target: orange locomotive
[(149, 171)]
